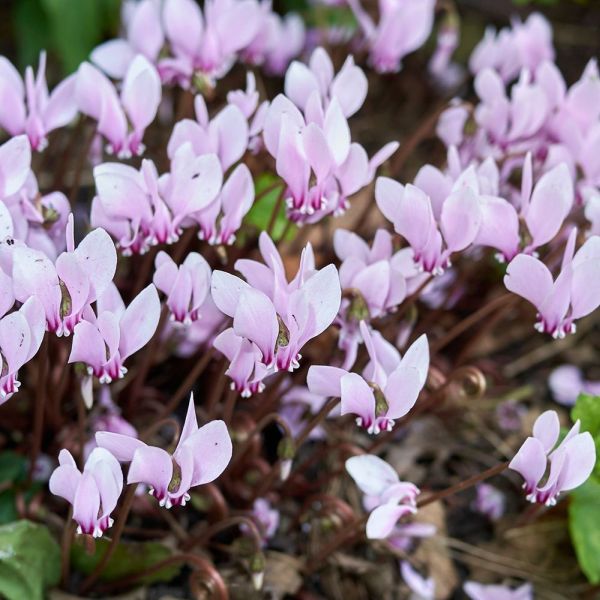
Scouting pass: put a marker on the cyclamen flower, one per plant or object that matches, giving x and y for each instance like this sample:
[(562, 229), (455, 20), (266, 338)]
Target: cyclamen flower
[(388, 388), (66, 289), (403, 27), (374, 282), (570, 463), (525, 45), (349, 86), (316, 158), (479, 591), (489, 501), (277, 317), (389, 498), (143, 35), (93, 493), (21, 335), (201, 455), (141, 209), (267, 517), (574, 294), (278, 40), (205, 44), (567, 382), (186, 286), (105, 339), (433, 236), (225, 135), (27, 107), (122, 119)]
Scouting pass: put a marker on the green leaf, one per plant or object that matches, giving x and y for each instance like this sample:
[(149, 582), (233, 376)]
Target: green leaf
[(68, 28), (13, 467), (587, 410), (261, 212), (584, 525), (32, 31), (29, 561), (129, 558)]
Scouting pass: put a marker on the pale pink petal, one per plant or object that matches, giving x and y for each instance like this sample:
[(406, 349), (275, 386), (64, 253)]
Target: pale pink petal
[(325, 381), (122, 447), (255, 319), (530, 278), (371, 474), (139, 321), (211, 447), (383, 519)]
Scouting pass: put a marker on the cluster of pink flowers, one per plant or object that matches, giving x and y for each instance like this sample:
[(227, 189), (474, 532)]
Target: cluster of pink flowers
[(201, 455), (521, 165), (200, 45)]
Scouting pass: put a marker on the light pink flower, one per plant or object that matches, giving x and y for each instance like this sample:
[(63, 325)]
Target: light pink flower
[(568, 465), (403, 27), (93, 493), (21, 334), (201, 455), (388, 388), (122, 118), (574, 294), (276, 316), (104, 339), (143, 35), (28, 108), (205, 43), (186, 286), (567, 382), (390, 499)]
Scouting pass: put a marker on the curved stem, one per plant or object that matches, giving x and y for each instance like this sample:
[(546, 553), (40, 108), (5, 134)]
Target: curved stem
[(316, 421), (40, 406), (471, 320), (212, 530), (188, 383), (462, 485), (202, 566)]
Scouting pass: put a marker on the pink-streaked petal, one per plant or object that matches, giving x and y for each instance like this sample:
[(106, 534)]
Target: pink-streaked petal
[(211, 447), (64, 482), (141, 92), (357, 397), (15, 162), (86, 504), (530, 461), (122, 447), (325, 381), (550, 203), (580, 453), (349, 86), (383, 519), (460, 219), (546, 429), (255, 319), (139, 321), (371, 474), (88, 345), (529, 278), (226, 290), (113, 57), (152, 466)]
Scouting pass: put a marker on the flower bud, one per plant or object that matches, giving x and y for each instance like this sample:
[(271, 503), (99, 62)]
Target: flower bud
[(286, 451)]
